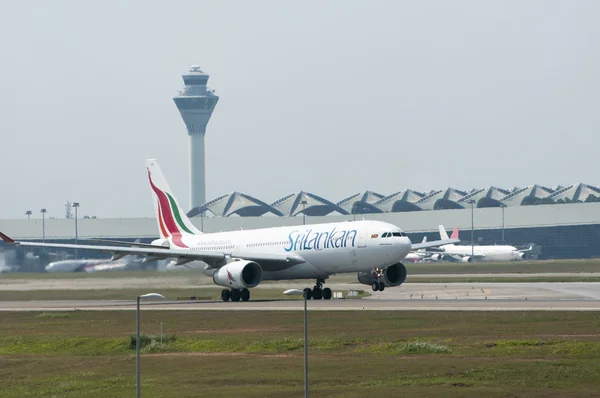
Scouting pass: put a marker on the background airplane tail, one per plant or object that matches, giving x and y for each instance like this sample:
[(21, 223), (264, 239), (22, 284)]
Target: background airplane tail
[(454, 233), (171, 218), (443, 233)]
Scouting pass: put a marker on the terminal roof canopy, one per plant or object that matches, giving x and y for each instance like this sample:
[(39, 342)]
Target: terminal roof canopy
[(407, 198), (235, 203), (443, 199), (526, 195), (360, 200), (576, 193), (369, 202), (310, 204)]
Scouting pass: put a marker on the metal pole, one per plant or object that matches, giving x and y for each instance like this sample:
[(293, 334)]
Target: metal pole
[(137, 349), (305, 351), (502, 224), (76, 234), (472, 231), (43, 226), (202, 221), (303, 203)]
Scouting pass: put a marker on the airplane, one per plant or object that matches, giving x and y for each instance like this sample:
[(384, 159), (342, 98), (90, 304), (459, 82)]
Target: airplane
[(95, 265), (91, 265), (421, 255), (241, 260), (478, 253)]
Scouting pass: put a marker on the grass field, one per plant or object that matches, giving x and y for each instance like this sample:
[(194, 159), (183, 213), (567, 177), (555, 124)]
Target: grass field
[(259, 354)]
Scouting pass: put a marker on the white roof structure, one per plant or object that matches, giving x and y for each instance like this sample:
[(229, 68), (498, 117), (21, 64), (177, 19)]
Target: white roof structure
[(526, 195), (365, 199), (369, 202), (444, 199), (310, 204), (235, 203), (403, 199), (575, 193)]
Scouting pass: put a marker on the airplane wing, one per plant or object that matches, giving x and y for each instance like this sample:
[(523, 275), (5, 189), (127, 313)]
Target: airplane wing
[(215, 259), (433, 243), (131, 244), (530, 248)]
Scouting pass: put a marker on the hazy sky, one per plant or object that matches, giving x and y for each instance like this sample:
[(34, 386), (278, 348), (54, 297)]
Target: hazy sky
[(332, 97)]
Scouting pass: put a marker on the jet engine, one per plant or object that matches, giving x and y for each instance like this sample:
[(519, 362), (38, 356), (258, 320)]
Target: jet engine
[(238, 274), (394, 275), (437, 257), (466, 259)]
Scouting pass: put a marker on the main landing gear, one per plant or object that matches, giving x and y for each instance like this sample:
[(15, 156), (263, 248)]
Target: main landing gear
[(235, 294), (317, 292)]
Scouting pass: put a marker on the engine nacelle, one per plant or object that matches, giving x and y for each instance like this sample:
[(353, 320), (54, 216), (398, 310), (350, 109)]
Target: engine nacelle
[(436, 257), (238, 275), (466, 259), (394, 275)]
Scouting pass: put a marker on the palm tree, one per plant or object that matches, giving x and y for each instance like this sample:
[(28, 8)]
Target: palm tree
[(28, 214)]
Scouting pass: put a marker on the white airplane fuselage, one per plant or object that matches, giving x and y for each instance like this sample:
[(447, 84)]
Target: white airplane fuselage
[(487, 253), (327, 249)]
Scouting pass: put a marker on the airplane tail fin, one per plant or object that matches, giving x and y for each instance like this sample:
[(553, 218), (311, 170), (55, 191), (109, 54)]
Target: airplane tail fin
[(443, 233), (172, 220), (454, 233)]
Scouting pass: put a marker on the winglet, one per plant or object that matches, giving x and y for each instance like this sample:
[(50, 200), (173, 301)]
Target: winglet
[(6, 238)]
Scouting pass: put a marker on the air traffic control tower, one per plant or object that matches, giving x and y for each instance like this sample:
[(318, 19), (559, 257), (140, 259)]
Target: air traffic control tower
[(196, 103)]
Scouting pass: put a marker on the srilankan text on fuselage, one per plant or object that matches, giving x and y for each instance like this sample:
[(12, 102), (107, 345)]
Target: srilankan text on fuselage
[(309, 240)]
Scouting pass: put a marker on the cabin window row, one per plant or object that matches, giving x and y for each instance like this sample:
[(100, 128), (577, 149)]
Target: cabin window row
[(263, 244)]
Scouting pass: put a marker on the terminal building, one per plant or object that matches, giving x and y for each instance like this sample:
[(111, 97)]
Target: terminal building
[(560, 222)]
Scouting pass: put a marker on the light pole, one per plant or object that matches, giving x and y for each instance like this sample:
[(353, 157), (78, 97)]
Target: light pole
[(149, 296), (76, 206), (303, 203), (502, 207), (296, 292), (43, 211), (472, 202), (202, 220)]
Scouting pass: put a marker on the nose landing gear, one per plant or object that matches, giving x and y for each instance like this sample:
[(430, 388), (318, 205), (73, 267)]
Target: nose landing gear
[(377, 285)]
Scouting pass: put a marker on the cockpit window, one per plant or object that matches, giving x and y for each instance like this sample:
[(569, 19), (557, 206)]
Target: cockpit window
[(396, 234), (385, 235)]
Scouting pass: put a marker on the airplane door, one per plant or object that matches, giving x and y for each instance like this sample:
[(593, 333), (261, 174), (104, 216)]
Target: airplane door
[(362, 239)]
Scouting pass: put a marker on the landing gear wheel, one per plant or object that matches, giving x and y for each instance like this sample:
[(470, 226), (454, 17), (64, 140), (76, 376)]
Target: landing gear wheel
[(245, 293), (235, 295), (308, 293), (375, 286), (225, 294), (317, 293), (327, 293), (381, 286)]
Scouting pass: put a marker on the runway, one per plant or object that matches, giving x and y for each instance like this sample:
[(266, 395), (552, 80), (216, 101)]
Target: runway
[(582, 296)]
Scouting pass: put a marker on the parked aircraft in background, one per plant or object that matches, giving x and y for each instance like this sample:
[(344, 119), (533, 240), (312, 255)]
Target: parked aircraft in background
[(477, 253), (92, 265), (240, 260), (420, 255)]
